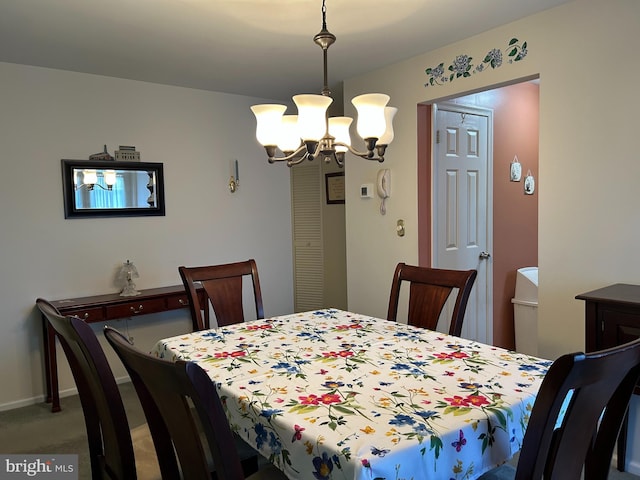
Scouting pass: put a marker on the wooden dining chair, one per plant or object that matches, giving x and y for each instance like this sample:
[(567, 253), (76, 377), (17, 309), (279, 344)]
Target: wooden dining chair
[(222, 285), (183, 399), (429, 290), (578, 412), (113, 454)]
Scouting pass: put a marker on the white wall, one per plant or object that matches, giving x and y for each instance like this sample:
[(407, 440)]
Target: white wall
[(589, 222), (47, 115)]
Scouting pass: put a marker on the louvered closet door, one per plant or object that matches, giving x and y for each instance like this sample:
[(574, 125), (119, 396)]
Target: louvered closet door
[(308, 255)]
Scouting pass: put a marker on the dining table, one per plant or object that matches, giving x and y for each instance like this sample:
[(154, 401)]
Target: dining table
[(331, 394)]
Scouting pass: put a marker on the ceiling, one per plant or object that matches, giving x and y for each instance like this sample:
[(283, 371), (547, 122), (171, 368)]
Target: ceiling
[(249, 47)]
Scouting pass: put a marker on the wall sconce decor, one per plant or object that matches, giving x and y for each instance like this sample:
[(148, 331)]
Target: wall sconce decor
[(234, 182), (529, 184), (125, 276), (516, 170)]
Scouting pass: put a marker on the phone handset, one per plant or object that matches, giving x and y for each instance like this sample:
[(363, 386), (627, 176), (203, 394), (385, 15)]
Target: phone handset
[(384, 187)]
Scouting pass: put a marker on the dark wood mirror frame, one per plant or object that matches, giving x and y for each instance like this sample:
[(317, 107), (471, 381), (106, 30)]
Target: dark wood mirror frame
[(154, 206)]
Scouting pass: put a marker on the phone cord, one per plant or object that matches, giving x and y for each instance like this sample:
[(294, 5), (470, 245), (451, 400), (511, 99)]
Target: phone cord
[(383, 207)]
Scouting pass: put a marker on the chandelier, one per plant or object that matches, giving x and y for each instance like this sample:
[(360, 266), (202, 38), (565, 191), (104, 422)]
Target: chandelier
[(311, 134), (90, 179)]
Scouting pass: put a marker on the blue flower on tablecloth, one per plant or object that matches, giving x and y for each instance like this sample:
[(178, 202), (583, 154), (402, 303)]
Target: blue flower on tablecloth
[(421, 429), (323, 466), (270, 412), (329, 313), (286, 366), (470, 386), (309, 336), (528, 368), (401, 419), (274, 443), (401, 366), (427, 414), (333, 385), (212, 335), (261, 435), (402, 334)]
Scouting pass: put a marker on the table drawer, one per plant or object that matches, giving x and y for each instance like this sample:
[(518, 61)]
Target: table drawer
[(177, 301), (133, 308), (89, 315)]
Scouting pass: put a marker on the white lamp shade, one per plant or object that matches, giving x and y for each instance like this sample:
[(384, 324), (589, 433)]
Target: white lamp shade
[(339, 128), (289, 136), (370, 107), (110, 177), (312, 116), (268, 123), (90, 177), (387, 136)]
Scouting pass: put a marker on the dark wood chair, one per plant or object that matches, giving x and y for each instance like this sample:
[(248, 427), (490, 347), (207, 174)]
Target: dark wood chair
[(183, 399), (576, 417), (112, 451), (223, 288), (429, 289)]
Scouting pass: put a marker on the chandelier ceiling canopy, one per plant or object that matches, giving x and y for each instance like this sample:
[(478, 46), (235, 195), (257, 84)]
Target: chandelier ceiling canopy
[(311, 133)]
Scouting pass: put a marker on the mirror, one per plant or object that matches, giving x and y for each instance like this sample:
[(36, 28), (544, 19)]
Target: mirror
[(112, 188)]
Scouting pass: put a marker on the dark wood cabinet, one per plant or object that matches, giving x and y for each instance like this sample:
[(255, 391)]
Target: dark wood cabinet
[(612, 317), (101, 308)]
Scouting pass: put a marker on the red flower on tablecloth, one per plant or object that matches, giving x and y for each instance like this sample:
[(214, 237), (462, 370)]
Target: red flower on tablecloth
[(263, 326), (353, 326), (329, 398), (477, 400), (237, 353), (451, 355), (310, 400), (458, 401), (342, 353)]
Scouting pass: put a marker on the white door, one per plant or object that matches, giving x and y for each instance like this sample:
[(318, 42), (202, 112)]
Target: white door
[(462, 206)]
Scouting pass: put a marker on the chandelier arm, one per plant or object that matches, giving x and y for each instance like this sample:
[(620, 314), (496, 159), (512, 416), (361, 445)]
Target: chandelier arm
[(287, 157), (369, 155), (93, 185)]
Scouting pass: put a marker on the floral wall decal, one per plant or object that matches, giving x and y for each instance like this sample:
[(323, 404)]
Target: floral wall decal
[(462, 65)]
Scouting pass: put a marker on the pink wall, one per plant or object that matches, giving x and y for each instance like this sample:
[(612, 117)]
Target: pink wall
[(515, 215)]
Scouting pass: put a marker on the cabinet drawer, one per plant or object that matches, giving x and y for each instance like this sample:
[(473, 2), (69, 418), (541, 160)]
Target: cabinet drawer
[(134, 308), (89, 315), (177, 301)]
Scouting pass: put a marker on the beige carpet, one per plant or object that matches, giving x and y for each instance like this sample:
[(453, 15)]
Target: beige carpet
[(34, 429)]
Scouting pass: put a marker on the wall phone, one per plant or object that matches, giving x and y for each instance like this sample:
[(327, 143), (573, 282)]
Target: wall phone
[(384, 187)]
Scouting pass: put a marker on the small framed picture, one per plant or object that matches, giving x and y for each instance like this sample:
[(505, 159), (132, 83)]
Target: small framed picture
[(334, 185)]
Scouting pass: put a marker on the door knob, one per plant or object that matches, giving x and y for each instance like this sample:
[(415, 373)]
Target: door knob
[(484, 255)]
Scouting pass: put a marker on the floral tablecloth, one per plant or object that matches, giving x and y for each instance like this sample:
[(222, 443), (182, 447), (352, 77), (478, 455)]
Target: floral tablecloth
[(335, 395)]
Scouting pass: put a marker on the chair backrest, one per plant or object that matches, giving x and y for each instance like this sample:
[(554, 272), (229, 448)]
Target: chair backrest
[(223, 287), (167, 390), (110, 444), (428, 293), (577, 414)]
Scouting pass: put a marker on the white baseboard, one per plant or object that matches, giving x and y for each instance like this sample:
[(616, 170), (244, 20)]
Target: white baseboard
[(41, 398)]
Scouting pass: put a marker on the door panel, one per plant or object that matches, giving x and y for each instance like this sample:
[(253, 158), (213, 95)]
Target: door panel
[(462, 226)]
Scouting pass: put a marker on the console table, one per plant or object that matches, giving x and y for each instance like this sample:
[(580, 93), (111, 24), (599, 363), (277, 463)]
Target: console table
[(612, 317), (100, 308)]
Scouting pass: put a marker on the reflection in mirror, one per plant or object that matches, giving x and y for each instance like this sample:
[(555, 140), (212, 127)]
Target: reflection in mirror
[(111, 188)]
